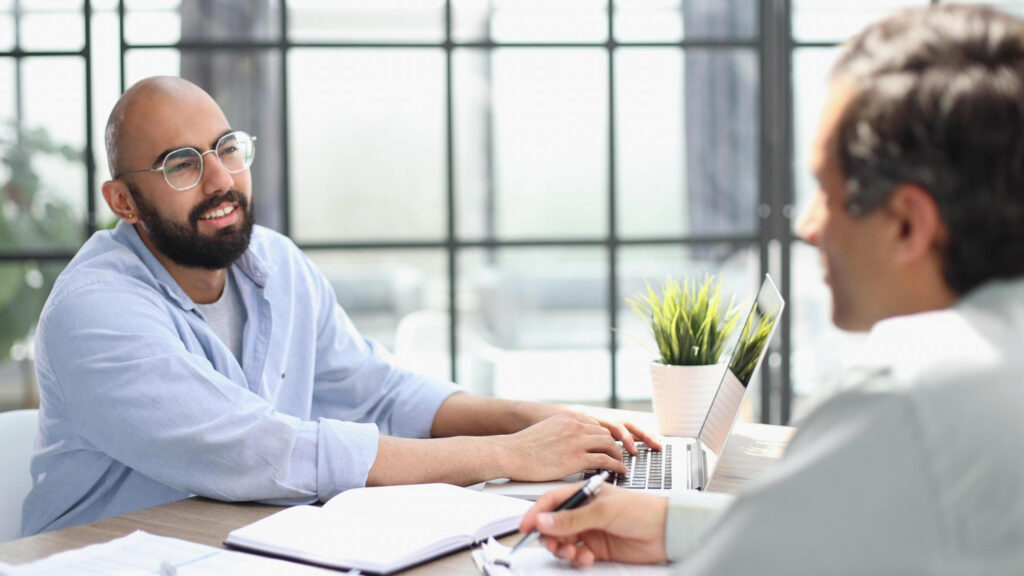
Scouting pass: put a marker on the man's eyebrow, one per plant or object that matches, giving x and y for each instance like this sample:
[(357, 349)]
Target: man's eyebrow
[(219, 136), (163, 155)]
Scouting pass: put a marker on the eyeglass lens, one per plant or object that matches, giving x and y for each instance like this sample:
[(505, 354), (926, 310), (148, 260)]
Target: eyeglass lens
[(184, 168)]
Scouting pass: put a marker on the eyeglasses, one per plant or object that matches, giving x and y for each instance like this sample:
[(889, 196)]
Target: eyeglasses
[(183, 168)]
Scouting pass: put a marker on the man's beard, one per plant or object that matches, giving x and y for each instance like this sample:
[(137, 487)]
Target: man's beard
[(185, 246)]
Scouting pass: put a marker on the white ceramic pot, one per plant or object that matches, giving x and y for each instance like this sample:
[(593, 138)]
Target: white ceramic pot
[(682, 395)]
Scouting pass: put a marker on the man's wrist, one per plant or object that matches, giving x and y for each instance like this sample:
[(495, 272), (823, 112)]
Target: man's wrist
[(499, 456)]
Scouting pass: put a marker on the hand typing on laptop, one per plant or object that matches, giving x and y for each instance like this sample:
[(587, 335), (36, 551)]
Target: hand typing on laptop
[(671, 464), (569, 442)]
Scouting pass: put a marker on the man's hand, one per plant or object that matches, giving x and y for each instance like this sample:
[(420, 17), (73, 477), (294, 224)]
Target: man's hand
[(616, 525), (466, 414), (628, 433), (563, 444)]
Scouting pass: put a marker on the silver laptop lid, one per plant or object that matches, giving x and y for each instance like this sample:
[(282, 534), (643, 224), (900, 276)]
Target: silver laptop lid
[(747, 355)]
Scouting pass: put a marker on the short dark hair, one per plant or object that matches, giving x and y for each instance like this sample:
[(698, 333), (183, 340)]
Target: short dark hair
[(938, 101)]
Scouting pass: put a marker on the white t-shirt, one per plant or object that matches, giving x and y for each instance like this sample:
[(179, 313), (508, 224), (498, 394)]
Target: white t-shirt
[(917, 467), (226, 317)]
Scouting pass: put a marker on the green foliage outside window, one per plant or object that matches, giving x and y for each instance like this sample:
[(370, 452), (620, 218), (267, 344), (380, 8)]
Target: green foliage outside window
[(29, 218)]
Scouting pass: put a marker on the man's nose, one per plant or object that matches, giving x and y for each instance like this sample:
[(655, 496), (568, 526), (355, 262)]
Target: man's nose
[(810, 222), (216, 178)]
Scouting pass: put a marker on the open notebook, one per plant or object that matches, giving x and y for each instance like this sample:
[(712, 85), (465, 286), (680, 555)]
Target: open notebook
[(383, 530)]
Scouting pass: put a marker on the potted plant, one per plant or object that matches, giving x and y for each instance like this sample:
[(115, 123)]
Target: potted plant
[(690, 326)]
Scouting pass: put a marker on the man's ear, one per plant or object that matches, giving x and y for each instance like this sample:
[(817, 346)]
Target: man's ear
[(920, 228), (120, 201)]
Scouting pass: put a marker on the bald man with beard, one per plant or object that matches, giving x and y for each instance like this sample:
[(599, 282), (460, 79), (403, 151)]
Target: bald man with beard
[(190, 352)]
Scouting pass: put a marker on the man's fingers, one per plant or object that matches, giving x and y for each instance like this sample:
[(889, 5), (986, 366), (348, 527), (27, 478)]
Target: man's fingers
[(578, 553), (629, 433), (568, 522), (650, 439), (594, 429), (566, 550), (620, 432), (601, 461), (584, 556), (547, 502), (603, 444), (589, 427)]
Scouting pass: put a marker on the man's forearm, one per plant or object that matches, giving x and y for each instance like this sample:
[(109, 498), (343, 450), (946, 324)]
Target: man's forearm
[(461, 460), (470, 415), (552, 448)]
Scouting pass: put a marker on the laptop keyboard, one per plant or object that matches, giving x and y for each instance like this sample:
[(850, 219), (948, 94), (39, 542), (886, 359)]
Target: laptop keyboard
[(648, 469)]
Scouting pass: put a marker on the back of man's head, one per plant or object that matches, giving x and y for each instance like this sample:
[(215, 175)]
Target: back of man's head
[(939, 102)]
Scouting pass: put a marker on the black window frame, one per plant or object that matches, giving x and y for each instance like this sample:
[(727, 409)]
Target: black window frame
[(773, 238)]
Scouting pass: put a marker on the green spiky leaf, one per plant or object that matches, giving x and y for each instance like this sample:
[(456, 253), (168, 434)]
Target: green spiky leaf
[(687, 319)]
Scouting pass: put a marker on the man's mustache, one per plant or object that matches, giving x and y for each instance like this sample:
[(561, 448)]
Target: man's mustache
[(232, 196)]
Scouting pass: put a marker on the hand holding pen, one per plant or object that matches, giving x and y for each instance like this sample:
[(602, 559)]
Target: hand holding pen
[(591, 488), (618, 525)]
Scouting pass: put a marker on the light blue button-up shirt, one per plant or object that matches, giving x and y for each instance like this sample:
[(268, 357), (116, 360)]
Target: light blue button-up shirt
[(142, 404)]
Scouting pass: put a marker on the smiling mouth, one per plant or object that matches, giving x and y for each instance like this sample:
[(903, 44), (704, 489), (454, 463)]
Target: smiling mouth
[(219, 213)]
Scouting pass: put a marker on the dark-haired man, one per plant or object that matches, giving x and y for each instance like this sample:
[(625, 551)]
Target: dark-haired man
[(190, 352), (919, 218)]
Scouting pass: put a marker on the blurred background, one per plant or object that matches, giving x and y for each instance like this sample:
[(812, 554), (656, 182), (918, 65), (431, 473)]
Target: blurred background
[(484, 182)]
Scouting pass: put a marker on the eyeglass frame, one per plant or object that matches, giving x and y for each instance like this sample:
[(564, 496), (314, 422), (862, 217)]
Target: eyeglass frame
[(202, 161)]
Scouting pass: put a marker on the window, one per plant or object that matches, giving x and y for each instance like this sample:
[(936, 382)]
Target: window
[(484, 182)]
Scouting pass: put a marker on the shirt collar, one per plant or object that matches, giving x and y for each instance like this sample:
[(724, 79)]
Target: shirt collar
[(917, 341), (250, 264)]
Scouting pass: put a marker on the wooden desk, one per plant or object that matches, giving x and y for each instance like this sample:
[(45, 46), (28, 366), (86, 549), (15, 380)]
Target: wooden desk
[(749, 451)]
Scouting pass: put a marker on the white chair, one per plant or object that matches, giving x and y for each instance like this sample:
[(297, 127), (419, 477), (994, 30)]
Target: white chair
[(17, 434)]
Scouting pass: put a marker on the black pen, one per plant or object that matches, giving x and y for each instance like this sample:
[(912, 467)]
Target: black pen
[(590, 489)]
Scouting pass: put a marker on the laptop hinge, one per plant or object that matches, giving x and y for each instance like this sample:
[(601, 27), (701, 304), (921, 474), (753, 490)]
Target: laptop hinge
[(698, 466)]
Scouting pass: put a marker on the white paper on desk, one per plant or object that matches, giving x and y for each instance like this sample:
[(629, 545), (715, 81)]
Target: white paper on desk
[(537, 561), (140, 554)]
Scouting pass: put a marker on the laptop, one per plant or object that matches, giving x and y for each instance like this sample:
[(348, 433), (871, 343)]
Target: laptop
[(689, 463)]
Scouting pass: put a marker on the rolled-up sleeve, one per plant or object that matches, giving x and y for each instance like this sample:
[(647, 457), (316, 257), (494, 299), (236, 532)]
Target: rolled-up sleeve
[(144, 404), (345, 453)]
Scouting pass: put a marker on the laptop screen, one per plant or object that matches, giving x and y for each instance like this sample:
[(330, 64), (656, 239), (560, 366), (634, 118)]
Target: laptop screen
[(747, 355)]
